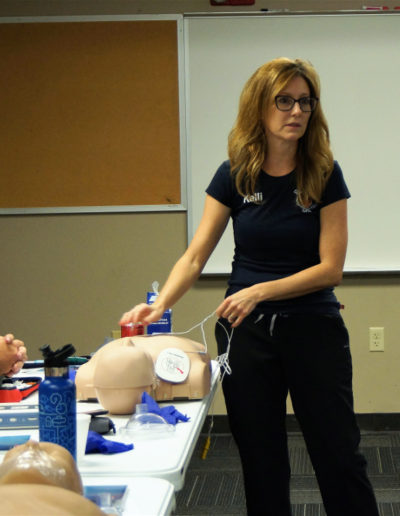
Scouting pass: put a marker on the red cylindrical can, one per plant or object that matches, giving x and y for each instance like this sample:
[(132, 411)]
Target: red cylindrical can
[(131, 329)]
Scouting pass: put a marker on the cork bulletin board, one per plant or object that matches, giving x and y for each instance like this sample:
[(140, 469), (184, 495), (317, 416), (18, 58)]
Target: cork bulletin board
[(90, 115)]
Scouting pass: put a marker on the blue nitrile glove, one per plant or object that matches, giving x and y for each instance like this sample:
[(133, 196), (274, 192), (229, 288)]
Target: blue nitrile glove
[(169, 413), (96, 443)]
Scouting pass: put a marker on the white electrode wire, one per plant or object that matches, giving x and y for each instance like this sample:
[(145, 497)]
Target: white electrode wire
[(201, 324), (223, 360)]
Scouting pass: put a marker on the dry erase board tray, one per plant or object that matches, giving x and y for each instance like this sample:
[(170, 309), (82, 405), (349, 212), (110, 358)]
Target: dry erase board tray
[(18, 417)]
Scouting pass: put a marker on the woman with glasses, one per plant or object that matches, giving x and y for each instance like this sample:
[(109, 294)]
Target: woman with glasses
[(287, 199)]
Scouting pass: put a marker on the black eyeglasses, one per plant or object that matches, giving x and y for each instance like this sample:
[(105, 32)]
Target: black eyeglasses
[(286, 103)]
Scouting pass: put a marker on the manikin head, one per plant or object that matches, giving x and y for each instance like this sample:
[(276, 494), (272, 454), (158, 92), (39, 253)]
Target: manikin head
[(40, 463), (52, 483)]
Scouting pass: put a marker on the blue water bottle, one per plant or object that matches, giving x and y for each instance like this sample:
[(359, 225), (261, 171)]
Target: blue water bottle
[(57, 400)]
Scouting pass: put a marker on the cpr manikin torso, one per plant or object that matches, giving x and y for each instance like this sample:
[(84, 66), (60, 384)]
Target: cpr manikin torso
[(52, 483), (119, 372)]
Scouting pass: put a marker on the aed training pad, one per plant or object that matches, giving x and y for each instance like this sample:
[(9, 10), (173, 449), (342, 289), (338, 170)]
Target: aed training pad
[(172, 365)]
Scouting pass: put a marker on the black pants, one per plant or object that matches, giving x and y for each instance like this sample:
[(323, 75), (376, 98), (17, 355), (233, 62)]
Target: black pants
[(309, 356)]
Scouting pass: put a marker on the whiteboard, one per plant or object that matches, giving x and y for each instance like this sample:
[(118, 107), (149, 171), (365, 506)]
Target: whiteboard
[(358, 59)]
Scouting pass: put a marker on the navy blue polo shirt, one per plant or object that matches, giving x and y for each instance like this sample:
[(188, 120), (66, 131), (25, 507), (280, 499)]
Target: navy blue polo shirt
[(274, 236)]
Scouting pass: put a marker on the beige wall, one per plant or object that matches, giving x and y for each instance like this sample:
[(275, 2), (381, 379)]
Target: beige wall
[(67, 278)]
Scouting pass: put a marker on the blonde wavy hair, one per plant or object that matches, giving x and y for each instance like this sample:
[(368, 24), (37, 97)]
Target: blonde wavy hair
[(247, 145)]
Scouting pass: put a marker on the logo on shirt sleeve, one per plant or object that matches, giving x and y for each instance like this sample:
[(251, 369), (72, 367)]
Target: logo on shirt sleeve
[(305, 209)]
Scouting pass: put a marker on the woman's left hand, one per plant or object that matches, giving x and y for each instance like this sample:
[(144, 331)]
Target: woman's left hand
[(238, 306)]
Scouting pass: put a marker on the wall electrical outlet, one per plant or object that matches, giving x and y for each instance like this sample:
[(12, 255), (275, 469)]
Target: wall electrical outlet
[(376, 339)]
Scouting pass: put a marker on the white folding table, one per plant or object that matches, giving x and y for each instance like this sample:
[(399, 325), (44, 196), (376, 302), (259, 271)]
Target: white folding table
[(166, 458)]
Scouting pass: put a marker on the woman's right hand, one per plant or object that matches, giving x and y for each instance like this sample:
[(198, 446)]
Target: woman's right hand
[(188, 268), (142, 313)]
